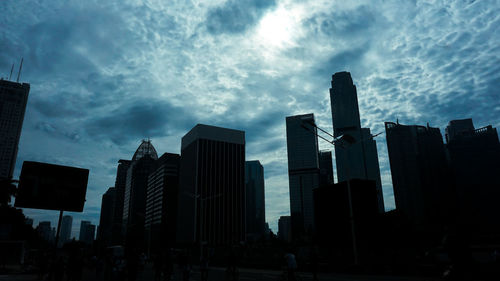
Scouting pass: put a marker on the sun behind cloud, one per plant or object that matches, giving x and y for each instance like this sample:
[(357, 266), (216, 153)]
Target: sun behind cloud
[(278, 28)]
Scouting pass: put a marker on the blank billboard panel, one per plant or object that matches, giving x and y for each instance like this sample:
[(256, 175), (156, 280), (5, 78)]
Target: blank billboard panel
[(52, 187)]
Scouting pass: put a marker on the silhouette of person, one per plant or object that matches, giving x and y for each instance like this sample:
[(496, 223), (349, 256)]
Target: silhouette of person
[(168, 266), (43, 264), (132, 265), (157, 266), (75, 265), (314, 259), (232, 265), (58, 269), (204, 268), (184, 265), (461, 258), (291, 265), (99, 268)]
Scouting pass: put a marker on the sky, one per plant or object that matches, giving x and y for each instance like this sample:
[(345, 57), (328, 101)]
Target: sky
[(106, 74)]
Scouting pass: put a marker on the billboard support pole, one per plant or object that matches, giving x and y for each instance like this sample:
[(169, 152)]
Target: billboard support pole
[(58, 227)]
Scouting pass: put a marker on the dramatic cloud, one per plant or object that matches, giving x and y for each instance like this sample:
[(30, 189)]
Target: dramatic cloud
[(236, 16), (105, 74)]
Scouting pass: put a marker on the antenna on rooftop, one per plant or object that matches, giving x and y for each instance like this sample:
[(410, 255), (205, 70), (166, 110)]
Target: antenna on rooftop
[(11, 69), (20, 68)]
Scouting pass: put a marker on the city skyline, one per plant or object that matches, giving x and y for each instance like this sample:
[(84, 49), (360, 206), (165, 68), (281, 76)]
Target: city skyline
[(425, 64)]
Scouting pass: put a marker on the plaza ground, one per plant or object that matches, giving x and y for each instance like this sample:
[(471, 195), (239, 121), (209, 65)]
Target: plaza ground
[(245, 274)]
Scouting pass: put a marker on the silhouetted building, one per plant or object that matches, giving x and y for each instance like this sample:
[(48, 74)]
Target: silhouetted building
[(13, 100), (303, 170), (134, 204), (161, 203), (105, 230), (120, 183), (285, 228), (267, 231), (65, 232), (475, 160), (212, 186), (87, 232), (255, 199), (342, 214), (420, 174), (325, 168), (358, 160), (45, 231)]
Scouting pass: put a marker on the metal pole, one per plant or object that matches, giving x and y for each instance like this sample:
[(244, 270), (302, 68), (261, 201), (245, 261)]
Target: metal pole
[(201, 227), (353, 231), (351, 213)]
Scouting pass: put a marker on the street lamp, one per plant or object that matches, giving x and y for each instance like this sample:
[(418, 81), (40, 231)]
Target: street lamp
[(344, 141), (202, 216)]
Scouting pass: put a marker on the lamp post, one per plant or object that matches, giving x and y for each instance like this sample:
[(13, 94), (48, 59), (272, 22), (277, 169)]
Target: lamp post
[(349, 140), (202, 216), (344, 141)]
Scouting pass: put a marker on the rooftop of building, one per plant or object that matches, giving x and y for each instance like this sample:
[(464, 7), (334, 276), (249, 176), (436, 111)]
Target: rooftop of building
[(13, 84), (342, 77), (146, 148), (202, 131)]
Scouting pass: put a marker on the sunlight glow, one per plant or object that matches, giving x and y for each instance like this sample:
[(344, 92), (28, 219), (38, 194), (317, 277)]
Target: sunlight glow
[(276, 28)]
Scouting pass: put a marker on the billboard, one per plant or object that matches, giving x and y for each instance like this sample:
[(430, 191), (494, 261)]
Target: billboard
[(52, 187)]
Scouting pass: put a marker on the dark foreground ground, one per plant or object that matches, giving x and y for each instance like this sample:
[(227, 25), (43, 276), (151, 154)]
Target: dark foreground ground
[(245, 274)]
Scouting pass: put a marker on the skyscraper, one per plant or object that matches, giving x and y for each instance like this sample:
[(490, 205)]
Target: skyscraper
[(66, 226), (87, 232), (475, 161), (345, 216), (285, 228), (161, 203), (134, 204), (255, 199), (420, 174), (120, 182), (212, 186), (359, 159), (13, 100), (104, 234), (45, 231), (325, 168), (303, 170)]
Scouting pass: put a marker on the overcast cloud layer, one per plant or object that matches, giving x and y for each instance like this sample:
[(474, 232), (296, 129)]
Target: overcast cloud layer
[(106, 74)]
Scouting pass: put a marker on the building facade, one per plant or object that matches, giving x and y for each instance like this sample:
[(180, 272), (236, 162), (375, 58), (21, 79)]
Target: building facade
[(134, 204), (120, 183), (105, 229), (346, 215), (303, 171), (212, 186), (66, 227), (255, 200), (325, 168), (87, 232), (420, 174), (45, 231), (358, 160), (161, 203), (13, 100), (285, 228), (475, 162)]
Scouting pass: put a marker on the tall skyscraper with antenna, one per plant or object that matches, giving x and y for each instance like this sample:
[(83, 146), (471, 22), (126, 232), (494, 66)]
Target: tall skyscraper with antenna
[(360, 159), (13, 100)]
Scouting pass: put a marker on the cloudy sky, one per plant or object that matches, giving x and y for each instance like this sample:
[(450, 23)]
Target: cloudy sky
[(106, 74)]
